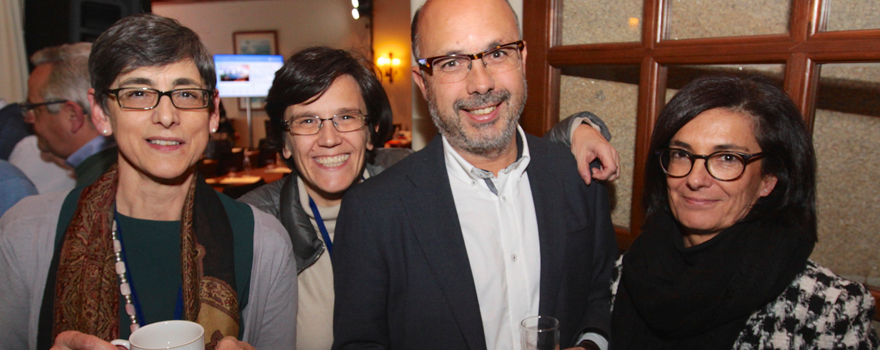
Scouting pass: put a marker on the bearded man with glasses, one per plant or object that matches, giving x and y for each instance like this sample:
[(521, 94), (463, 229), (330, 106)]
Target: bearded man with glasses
[(456, 244)]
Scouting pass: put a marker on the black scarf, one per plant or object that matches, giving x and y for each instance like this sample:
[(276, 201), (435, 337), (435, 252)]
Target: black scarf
[(672, 297)]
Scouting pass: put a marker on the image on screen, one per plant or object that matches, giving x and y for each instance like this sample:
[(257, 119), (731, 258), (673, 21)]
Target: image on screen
[(246, 75)]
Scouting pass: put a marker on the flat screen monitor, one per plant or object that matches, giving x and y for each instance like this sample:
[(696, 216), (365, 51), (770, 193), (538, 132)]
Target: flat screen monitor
[(246, 75)]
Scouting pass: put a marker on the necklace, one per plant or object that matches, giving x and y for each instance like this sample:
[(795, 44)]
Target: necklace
[(124, 287)]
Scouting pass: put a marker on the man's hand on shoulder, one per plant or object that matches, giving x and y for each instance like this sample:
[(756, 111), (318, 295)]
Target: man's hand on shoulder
[(73, 340), (588, 144)]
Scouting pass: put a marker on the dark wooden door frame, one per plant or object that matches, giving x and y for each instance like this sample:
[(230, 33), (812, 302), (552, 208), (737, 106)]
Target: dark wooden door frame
[(801, 50)]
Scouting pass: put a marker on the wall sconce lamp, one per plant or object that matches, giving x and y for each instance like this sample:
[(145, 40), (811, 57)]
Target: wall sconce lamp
[(633, 22), (390, 62), (361, 8)]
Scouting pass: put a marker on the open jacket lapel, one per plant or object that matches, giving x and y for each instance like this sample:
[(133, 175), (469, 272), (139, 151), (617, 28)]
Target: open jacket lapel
[(548, 192), (431, 209), (307, 248)]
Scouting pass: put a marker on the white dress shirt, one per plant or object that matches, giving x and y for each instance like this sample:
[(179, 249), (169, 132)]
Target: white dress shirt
[(500, 230), (46, 175)]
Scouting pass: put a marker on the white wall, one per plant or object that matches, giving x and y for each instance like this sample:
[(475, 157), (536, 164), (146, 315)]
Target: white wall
[(300, 24), (391, 20), (13, 63)]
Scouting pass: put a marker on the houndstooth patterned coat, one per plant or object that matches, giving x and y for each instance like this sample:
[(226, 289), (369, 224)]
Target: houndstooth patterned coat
[(819, 310)]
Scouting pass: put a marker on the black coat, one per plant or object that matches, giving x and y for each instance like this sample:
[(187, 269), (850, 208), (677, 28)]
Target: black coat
[(401, 271)]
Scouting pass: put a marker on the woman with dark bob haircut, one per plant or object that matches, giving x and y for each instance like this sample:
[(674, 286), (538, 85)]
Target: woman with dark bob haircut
[(328, 110), (149, 240), (723, 258), (310, 72)]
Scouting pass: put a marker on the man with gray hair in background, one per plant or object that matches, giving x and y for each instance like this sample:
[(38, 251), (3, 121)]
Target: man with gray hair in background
[(58, 107)]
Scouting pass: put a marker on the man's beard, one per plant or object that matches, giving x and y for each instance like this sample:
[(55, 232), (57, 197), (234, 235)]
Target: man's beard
[(482, 141)]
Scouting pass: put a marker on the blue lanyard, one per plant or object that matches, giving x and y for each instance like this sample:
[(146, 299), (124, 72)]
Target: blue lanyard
[(324, 234), (178, 306)]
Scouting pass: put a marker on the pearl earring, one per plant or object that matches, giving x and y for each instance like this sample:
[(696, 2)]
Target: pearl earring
[(105, 131), (214, 130)]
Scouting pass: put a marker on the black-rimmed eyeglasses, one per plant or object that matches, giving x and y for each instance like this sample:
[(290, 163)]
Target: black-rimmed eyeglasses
[(147, 98), (454, 68), (29, 107), (722, 165), (311, 125)]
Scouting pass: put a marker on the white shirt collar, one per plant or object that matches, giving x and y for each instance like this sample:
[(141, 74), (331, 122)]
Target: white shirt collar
[(465, 171), (97, 144)]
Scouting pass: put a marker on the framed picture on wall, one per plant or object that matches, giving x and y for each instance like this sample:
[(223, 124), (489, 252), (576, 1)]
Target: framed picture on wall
[(262, 42)]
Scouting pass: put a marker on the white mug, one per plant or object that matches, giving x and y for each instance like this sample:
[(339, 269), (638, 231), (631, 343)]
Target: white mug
[(177, 335)]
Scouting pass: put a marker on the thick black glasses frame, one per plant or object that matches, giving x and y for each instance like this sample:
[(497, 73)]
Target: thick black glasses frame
[(747, 158), (428, 63), (208, 93)]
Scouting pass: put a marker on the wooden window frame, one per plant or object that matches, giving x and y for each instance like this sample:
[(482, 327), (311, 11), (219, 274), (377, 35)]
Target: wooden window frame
[(801, 50)]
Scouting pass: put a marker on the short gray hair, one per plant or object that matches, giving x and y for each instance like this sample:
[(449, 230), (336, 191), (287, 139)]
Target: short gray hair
[(69, 79), (146, 40)]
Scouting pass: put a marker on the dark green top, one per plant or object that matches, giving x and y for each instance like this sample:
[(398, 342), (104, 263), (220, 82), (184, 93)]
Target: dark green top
[(152, 253), (153, 249)]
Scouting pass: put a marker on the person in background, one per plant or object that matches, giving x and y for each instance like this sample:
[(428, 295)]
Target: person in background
[(221, 142), (12, 128), (226, 131), (149, 240), (46, 171), (14, 186), (18, 145), (58, 108), (723, 258), (456, 244)]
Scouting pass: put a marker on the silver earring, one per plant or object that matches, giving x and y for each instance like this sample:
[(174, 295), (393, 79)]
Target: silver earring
[(214, 130), (105, 131)]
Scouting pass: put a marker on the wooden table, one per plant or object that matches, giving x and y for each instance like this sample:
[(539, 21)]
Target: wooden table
[(267, 174)]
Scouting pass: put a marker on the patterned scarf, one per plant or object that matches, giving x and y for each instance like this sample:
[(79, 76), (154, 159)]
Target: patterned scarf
[(700, 297), (87, 292)]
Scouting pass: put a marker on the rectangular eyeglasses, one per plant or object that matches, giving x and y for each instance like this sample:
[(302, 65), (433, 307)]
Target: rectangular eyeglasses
[(147, 98), (454, 68), (311, 125), (29, 107)]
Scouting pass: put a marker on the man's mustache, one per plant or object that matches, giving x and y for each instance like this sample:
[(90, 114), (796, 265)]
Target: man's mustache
[(489, 99)]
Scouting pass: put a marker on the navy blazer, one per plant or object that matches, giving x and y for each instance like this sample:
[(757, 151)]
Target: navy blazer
[(401, 270)]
